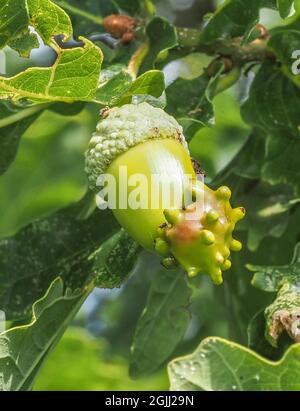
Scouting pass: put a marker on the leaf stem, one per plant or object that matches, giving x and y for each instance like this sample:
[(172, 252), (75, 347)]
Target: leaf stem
[(79, 12), (149, 7), (22, 114), (137, 59)]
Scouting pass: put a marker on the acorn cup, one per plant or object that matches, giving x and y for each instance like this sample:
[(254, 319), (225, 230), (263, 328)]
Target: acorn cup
[(143, 148)]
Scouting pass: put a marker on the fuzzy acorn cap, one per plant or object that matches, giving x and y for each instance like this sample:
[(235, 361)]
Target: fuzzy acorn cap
[(125, 127)]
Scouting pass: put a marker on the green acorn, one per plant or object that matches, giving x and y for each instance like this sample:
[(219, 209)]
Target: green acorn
[(146, 141)]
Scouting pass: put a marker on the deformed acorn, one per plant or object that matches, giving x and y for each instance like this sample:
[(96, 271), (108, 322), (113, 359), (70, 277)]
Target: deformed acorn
[(146, 141)]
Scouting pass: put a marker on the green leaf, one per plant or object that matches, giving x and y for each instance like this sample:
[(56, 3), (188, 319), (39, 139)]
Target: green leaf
[(67, 109), (23, 349), (233, 19), (110, 92), (46, 17), (187, 99), (150, 83), (120, 89), (273, 104), (113, 259), (14, 20), (74, 76), (64, 245), (283, 313), (24, 44), (163, 322), (33, 170), (284, 43), (161, 36), (190, 101), (215, 147), (10, 134), (268, 210), (250, 159), (273, 107), (221, 365), (285, 7), (282, 161)]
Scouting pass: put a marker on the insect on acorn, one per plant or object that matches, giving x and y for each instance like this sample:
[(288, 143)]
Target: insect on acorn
[(146, 140)]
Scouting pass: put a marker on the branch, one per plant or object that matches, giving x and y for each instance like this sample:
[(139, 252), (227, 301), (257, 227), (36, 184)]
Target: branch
[(234, 48), (22, 114)]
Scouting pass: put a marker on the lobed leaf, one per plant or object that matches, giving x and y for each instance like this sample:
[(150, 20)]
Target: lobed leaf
[(221, 365), (74, 76), (45, 16), (23, 349), (65, 245), (48, 19)]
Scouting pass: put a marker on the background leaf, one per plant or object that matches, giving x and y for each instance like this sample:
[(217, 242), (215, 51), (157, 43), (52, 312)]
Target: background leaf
[(273, 104), (81, 362), (233, 19), (23, 349), (62, 245), (161, 36), (10, 135), (162, 324), (285, 7), (284, 43)]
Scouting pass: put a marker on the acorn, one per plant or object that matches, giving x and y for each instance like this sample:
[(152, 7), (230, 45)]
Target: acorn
[(137, 144)]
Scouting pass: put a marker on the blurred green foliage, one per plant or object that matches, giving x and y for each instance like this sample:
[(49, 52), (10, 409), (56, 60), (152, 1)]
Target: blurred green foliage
[(80, 363), (48, 173)]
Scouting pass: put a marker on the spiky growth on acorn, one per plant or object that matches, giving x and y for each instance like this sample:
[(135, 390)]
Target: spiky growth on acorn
[(147, 141), (199, 237)]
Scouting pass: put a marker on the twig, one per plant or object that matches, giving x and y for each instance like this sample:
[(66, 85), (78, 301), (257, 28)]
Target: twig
[(20, 115), (234, 48), (94, 18)]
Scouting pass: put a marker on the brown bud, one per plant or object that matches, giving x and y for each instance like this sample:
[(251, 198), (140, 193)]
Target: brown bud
[(120, 26)]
